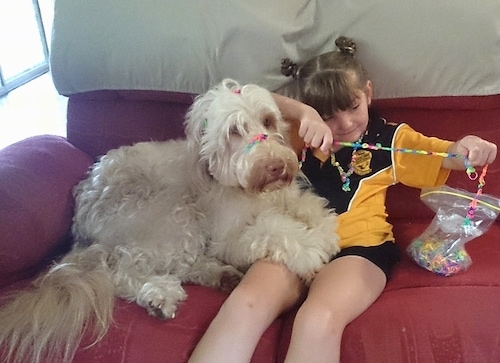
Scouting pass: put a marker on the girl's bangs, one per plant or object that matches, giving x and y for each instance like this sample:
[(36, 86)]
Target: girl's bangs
[(330, 91)]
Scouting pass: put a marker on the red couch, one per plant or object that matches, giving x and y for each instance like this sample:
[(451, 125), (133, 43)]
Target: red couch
[(420, 317)]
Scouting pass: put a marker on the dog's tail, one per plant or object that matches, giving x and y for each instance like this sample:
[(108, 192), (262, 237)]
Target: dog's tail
[(48, 321)]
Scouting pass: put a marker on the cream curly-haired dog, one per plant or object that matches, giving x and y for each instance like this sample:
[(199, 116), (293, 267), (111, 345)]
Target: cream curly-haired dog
[(154, 215)]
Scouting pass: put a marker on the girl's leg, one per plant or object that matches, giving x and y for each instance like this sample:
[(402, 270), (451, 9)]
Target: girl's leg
[(267, 290), (341, 291)]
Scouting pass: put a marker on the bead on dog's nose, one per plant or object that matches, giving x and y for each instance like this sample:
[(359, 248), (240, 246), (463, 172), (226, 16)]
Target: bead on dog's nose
[(255, 140)]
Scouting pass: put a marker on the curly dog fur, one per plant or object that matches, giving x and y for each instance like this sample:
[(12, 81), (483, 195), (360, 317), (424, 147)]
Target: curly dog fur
[(154, 215)]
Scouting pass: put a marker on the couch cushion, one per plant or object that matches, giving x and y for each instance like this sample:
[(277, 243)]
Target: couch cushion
[(136, 337), (36, 180), (102, 120)]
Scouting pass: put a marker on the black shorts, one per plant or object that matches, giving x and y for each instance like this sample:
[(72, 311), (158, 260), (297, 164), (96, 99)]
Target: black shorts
[(385, 256)]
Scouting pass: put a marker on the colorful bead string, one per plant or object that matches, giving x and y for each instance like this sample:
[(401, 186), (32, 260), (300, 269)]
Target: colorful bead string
[(303, 156), (471, 172), (345, 176), (473, 203), (255, 140), (379, 146)]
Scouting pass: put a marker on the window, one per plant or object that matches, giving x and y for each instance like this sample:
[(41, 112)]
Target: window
[(24, 52)]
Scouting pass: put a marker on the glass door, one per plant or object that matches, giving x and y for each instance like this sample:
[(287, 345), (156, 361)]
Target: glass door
[(23, 46)]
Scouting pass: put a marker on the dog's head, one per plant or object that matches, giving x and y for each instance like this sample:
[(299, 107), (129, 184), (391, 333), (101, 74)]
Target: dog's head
[(240, 138)]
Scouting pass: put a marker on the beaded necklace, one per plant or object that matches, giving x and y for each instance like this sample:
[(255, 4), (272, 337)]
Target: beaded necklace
[(345, 176)]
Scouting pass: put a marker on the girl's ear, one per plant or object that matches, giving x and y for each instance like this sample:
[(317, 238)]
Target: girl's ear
[(369, 92)]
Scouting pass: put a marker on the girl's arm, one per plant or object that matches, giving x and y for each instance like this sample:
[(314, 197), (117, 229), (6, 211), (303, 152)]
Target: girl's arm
[(312, 128)]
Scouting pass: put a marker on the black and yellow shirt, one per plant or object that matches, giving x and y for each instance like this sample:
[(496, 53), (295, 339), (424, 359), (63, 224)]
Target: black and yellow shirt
[(362, 212)]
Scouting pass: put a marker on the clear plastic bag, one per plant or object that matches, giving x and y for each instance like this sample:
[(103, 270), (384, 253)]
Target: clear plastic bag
[(441, 247)]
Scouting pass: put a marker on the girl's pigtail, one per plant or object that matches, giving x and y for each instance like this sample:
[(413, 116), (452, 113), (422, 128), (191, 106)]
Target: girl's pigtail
[(346, 45), (289, 68)]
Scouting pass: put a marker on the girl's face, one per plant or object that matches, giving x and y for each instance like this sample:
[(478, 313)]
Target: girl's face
[(349, 125)]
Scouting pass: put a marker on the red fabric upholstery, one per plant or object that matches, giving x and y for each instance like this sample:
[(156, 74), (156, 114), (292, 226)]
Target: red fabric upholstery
[(420, 317), (37, 176), (138, 338), (103, 120)]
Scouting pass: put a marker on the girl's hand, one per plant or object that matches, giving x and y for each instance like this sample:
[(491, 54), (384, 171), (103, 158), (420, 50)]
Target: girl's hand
[(312, 129), (479, 152)]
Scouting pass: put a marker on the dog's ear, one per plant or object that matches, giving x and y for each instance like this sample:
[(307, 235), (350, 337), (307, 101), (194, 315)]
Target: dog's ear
[(196, 125), (199, 114), (197, 117), (196, 120)]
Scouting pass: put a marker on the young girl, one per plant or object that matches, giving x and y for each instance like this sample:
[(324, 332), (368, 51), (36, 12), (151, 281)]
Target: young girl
[(335, 95)]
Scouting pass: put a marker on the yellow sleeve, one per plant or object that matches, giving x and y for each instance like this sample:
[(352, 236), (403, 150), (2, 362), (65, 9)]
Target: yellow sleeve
[(417, 170)]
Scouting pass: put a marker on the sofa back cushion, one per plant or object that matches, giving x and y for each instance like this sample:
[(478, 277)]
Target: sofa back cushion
[(101, 120)]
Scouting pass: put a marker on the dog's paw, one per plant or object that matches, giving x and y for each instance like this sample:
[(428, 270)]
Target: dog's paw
[(160, 297), (160, 309)]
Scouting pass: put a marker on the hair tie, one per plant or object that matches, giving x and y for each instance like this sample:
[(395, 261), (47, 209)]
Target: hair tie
[(346, 45), (289, 68)]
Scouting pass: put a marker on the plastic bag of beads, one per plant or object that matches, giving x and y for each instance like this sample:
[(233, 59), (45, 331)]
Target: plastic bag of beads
[(460, 217)]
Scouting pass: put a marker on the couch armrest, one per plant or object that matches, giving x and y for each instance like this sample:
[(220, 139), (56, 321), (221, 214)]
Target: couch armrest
[(36, 205)]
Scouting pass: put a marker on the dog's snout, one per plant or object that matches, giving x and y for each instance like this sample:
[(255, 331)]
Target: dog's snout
[(275, 168)]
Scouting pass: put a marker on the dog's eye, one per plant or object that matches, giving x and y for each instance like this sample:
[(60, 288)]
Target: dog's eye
[(268, 122)]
